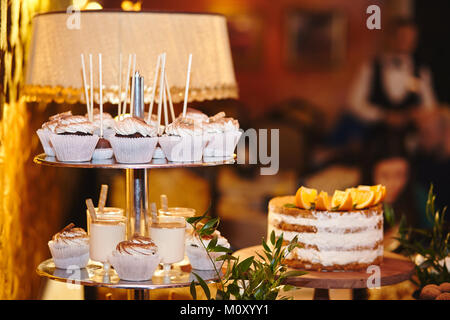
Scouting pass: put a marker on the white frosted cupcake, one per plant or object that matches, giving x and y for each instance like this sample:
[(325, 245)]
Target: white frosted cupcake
[(134, 141), (47, 129), (70, 247), (222, 135), (183, 141), (197, 254), (135, 259), (74, 139)]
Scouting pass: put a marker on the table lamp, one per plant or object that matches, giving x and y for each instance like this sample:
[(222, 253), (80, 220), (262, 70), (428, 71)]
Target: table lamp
[(54, 70)]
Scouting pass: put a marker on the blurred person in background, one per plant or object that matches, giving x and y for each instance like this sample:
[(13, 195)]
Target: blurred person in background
[(432, 153), (389, 89)]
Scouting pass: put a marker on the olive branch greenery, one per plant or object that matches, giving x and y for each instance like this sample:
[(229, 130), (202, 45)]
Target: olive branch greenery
[(432, 244), (249, 279)]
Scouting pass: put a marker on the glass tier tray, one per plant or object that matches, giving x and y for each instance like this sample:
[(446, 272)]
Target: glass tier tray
[(93, 275), (43, 159)]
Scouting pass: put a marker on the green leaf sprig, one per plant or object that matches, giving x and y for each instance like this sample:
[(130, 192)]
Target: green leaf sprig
[(250, 279), (432, 244)]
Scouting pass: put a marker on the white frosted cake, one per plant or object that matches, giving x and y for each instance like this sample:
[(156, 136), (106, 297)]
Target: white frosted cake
[(330, 239)]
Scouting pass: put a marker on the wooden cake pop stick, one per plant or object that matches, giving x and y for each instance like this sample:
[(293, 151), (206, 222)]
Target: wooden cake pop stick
[(91, 209), (102, 198), (154, 211), (164, 202)]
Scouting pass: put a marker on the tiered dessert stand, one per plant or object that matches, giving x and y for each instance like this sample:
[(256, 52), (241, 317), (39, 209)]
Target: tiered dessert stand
[(137, 210), (394, 269)]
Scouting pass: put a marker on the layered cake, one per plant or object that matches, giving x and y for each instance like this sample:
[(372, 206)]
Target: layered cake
[(341, 233)]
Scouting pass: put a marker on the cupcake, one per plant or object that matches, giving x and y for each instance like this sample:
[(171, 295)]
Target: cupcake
[(70, 247), (183, 141), (222, 135), (74, 139), (134, 141), (48, 128), (135, 259), (197, 254)]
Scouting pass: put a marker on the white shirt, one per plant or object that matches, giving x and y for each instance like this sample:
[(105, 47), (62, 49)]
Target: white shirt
[(398, 80)]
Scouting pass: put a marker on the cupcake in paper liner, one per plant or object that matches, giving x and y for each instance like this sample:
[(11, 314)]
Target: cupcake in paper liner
[(183, 141), (74, 141), (197, 254), (70, 248), (134, 141), (136, 259), (222, 135), (47, 129)]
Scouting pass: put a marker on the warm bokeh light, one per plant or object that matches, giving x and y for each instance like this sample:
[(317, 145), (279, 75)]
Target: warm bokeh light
[(93, 6), (131, 6), (80, 4)]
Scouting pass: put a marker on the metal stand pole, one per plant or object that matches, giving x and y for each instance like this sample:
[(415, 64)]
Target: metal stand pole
[(137, 186)]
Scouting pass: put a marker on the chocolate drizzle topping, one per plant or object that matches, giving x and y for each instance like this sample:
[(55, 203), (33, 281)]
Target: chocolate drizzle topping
[(136, 243)]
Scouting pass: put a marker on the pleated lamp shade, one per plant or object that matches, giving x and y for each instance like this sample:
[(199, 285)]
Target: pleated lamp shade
[(54, 69)]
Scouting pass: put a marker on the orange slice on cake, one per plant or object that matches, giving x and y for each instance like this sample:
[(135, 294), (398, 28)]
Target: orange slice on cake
[(305, 197), (363, 198), (342, 200), (379, 190), (323, 201)]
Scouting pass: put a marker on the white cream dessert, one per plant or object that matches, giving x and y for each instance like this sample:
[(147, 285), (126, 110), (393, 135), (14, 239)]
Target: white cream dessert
[(331, 240), (169, 235), (134, 140), (183, 141), (70, 247), (135, 259), (105, 234), (197, 254), (222, 134)]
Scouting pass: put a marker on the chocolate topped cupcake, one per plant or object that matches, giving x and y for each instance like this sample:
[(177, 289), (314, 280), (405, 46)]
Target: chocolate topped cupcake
[(74, 139), (70, 247), (134, 140), (49, 128), (135, 259)]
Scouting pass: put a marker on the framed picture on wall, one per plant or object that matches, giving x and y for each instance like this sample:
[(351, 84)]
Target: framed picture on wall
[(314, 40)]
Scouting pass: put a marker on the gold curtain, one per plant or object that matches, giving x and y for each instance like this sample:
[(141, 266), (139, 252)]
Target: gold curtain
[(29, 202)]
